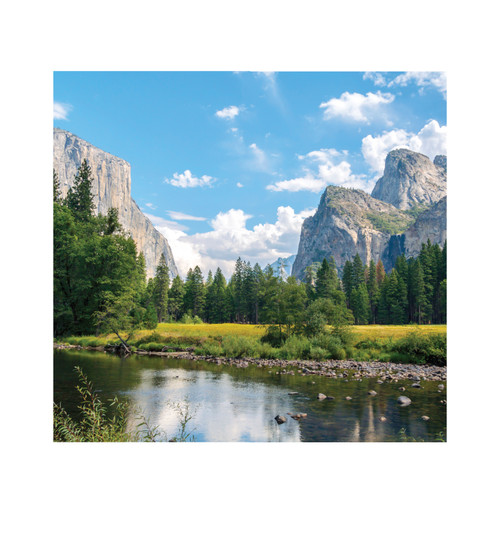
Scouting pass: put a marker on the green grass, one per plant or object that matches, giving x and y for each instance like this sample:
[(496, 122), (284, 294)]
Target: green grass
[(395, 343)]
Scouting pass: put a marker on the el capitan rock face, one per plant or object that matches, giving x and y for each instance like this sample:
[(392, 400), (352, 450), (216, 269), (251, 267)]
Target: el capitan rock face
[(111, 188), (350, 222), (411, 179)]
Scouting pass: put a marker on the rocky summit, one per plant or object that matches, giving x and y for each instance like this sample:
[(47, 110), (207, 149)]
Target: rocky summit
[(407, 208), (411, 179), (111, 189)]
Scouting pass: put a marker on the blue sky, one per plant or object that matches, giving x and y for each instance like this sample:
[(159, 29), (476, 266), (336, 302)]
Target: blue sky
[(229, 164)]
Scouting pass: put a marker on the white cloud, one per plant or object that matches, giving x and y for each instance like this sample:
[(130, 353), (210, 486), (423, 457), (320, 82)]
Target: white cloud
[(228, 113), (356, 107), (261, 161), (376, 77), (178, 216), (422, 80), (186, 179), (239, 184), (150, 206), (61, 111), (230, 238), (430, 140), (321, 171)]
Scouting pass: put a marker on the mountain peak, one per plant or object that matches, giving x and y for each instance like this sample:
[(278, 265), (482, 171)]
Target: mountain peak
[(410, 179)]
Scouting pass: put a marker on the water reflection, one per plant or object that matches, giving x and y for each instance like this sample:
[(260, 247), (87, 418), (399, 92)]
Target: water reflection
[(232, 404)]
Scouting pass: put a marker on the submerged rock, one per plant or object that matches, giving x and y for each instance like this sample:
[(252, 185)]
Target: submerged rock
[(280, 419), (404, 401), (371, 392), (321, 396)]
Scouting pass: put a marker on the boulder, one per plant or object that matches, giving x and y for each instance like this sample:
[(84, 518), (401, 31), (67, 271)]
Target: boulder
[(404, 401)]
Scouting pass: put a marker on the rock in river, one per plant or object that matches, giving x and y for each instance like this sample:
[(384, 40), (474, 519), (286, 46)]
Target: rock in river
[(371, 392), (425, 417), (280, 419), (404, 401), (348, 398), (321, 396)]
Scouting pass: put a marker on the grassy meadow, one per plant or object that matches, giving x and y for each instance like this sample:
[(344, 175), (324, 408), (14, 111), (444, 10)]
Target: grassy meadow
[(404, 344)]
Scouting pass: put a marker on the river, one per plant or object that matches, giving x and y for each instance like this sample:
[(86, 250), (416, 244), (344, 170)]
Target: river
[(231, 404)]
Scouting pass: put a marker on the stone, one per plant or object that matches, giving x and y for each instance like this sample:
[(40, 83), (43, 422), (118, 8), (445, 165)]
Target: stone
[(280, 419), (293, 393), (402, 388), (111, 189), (349, 221), (302, 415), (371, 392), (441, 386), (411, 179), (416, 385), (321, 396), (382, 419), (425, 417), (328, 397), (404, 401), (348, 398)]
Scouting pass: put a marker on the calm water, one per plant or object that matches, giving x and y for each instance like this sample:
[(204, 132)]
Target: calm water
[(232, 404)]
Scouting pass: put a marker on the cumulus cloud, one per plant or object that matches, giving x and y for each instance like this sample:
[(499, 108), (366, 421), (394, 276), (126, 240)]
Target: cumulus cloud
[(186, 179), (61, 111), (179, 216), (230, 238), (422, 80), (228, 113), (322, 170), (356, 107), (430, 140), (239, 184)]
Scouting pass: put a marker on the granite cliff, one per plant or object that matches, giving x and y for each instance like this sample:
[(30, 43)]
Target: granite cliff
[(112, 188), (407, 207), (411, 179)]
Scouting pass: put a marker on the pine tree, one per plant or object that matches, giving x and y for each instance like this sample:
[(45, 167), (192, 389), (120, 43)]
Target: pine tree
[(57, 198), (348, 280), (160, 291), (176, 299), (360, 304), (380, 273), (358, 272), (80, 199)]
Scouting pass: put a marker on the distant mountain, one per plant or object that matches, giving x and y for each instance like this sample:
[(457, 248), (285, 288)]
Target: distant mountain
[(287, 265), (111, 188), (407, 207)]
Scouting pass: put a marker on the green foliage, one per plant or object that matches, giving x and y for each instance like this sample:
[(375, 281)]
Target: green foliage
[(296, 348), (240, 347), (331, 344), (390, 223), (424, 349), (101, 422)]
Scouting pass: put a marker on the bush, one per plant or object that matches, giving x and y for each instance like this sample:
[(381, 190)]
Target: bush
[(188, 319), (268, 352), (317, 353), (332, 344), (155, 347), (209, 348), (296, 348), (274, 336), (423, 349), (240, 347)]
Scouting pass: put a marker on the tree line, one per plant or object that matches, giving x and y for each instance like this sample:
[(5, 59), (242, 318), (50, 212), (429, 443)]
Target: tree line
[(100, 283)]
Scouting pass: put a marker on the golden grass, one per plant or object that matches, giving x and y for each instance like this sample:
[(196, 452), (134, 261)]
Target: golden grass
[(377, 331), (225, 329), (256, 331)]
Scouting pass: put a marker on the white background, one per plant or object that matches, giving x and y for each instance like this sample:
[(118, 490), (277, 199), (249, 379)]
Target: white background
[(73, 488)]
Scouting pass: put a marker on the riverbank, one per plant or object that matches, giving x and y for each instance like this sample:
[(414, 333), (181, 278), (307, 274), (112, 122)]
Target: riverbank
[(335, 369)]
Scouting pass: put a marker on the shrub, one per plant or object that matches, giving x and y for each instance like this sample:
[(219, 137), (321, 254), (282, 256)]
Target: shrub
[(268, 352), (296, 348), (274, 336), (240, 347), (423, 349), (209, 349), (317, 353), (332, 344)]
